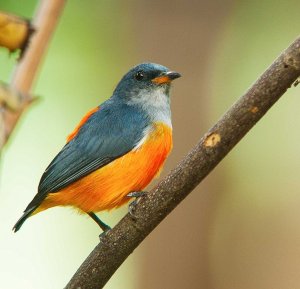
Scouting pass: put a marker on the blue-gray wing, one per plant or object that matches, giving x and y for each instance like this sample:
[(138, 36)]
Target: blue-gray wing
[(108, 134)]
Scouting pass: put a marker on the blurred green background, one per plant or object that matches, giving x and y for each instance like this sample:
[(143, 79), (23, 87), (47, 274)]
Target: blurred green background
[(240, 228)]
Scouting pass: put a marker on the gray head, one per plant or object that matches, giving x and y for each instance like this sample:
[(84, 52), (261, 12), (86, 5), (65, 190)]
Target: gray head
[(147, 87), (144, 77)]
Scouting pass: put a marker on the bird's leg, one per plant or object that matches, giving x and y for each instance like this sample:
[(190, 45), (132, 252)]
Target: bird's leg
[(132, 205), (101, 224)]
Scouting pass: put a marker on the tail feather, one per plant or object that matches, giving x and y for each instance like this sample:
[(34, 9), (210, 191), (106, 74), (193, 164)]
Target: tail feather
[(20, 222)]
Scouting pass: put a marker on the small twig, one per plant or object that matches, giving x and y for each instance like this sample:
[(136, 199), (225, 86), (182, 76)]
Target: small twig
[(44, 23), (115, 247), (10, 98)]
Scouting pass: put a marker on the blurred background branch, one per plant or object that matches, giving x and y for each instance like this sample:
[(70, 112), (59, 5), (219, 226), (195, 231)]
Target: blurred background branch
[(16, 33), (123, 239)]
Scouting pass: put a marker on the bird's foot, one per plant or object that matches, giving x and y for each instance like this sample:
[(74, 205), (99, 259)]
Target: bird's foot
[(104, 233), (137, 195), (101, 224)]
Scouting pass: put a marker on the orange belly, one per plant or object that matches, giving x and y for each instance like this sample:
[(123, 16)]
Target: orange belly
[(107, 187)]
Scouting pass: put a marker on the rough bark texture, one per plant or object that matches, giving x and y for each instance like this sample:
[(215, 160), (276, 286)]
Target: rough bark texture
[(115, 247), (26, 70)]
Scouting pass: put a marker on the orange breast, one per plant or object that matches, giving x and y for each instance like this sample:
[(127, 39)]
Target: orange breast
[(107, 187)]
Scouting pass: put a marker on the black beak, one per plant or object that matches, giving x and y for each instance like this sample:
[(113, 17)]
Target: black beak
[(173, 74), (166, 77)]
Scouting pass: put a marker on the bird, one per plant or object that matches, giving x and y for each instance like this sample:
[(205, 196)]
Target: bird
[(115, 150)]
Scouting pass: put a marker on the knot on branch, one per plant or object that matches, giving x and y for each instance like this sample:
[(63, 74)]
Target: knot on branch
[(292, 60), (212, 140)]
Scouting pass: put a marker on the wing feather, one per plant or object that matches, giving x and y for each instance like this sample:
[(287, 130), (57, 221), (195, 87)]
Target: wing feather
[(108, 134)]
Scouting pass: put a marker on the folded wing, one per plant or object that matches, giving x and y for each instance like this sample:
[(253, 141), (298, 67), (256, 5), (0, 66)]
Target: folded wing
[(107, 134)]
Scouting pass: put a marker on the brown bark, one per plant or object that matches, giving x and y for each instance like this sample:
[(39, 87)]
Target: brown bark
[(115, 247)]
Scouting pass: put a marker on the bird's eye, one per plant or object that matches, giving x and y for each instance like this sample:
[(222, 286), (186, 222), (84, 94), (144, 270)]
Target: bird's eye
[(139, 75)]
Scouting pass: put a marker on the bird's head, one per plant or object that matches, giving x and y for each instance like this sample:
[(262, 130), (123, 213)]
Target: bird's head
[(145, 81)]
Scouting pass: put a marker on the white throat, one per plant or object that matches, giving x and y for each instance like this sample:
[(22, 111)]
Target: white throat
[(155, 102)]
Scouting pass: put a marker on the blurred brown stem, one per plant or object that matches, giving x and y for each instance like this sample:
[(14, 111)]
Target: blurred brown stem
[(115, 247), (44, 24)]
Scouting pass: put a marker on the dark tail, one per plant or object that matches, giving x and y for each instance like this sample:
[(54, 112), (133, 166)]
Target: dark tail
[(24, 217)]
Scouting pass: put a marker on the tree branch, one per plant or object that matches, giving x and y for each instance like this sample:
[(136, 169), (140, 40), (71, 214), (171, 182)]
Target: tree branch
[(44, 23), (115, 247)]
